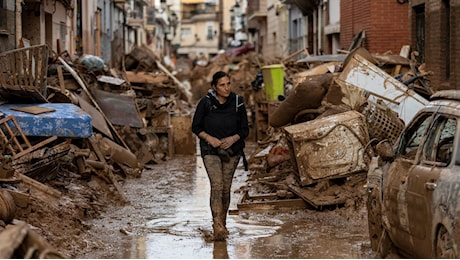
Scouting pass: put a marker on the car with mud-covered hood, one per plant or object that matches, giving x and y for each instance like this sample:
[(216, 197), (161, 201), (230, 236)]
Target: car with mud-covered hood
[(413, 186)]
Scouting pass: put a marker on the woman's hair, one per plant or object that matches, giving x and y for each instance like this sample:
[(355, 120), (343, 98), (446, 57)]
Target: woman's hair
[(218, 75)]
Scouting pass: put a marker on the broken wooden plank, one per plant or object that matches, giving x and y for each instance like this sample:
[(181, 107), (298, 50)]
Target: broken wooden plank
[(26, 243), (273, 205), (39, 186), (245, 204), (35, 110), (405, 51), (108, 172), (144, 77), (61, 78), (39, 190), (292, 55), (21, 199), (315, 199), (35, 147), (111, 80), (11, 238)]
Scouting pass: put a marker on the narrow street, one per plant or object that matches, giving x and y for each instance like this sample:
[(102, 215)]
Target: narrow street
[(169, 217)]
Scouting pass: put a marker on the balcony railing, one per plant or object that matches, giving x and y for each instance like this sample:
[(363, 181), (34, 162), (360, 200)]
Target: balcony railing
[(256, 9)]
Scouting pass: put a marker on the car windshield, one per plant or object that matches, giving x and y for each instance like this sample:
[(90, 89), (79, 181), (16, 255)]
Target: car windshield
[(439, 144), (413, 136)]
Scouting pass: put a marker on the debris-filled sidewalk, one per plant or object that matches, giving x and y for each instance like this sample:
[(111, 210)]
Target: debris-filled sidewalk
[(65, 120), (72, 131)]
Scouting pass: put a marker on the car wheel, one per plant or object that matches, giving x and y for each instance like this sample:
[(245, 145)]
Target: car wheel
[(444, 244), (380, 241)]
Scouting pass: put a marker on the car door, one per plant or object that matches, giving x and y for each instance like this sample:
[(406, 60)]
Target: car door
[(396, 182), (435, 156)]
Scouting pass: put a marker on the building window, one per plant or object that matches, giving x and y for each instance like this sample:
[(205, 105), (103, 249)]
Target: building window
[(210, 34), (2, 15), (185, 32), (420, 32)]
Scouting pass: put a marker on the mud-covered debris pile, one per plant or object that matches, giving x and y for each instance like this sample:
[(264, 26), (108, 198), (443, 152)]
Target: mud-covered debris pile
[(316, 142), (71, 131)]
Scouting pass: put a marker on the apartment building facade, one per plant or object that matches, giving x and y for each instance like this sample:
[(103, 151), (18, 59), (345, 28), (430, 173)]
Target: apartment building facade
[(199, 28), (434, 35), (108, 29)]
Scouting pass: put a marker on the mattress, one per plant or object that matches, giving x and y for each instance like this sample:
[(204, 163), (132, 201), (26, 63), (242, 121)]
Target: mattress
[(50, 119)]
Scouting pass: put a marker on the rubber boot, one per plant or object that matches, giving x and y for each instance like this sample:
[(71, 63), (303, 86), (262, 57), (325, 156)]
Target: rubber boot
[(224, 223), (220, 232)]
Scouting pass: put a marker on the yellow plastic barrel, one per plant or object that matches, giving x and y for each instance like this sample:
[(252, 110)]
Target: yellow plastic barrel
[(273, 76)]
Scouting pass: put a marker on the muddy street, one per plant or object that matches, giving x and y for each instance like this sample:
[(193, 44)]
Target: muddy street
[(169, 217)]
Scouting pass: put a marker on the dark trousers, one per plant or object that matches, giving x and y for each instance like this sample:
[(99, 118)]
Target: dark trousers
[(220, 175)]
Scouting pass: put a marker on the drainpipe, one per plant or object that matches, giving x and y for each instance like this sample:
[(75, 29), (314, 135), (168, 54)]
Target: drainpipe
[(18, 23), (124, 30)]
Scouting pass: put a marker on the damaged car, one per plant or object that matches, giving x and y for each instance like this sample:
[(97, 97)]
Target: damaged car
[(414, 186)]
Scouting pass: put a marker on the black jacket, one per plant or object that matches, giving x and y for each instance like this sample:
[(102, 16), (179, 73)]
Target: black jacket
[(220, 121)]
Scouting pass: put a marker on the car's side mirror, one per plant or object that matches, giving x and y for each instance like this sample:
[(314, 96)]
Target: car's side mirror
[(385, 150)]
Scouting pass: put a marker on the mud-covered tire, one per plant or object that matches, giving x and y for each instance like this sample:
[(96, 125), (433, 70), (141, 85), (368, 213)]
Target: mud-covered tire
[(444, 244), (380, 241)]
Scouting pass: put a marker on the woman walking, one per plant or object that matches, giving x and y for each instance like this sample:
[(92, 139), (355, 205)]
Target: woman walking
[(221, 123)]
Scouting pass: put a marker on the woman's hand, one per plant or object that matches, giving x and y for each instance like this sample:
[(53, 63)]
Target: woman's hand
[(214, 142), (228, 142)]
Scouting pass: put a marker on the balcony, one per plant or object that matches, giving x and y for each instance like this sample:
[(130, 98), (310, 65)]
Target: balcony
[(195, 15), (135, 18), (306, 6), (257, 10)]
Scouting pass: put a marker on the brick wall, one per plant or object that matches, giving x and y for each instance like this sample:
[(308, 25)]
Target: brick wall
[(441, 23), (385, 23)]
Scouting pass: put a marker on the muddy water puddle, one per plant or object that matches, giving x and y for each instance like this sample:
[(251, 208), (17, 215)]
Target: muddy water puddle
[(169, 217)]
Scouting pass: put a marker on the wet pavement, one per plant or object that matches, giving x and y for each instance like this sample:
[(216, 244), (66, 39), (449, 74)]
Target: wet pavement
[(169, 217)]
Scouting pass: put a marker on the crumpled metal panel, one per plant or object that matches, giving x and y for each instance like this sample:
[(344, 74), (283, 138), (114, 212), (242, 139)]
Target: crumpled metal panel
[(382, 87), (329, 147), (119, 109)]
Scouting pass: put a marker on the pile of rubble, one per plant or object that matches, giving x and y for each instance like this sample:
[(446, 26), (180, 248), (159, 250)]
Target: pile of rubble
[(65, 121), (316, 142)]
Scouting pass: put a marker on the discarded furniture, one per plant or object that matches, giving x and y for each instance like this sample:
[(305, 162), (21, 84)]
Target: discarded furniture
[(14, 140), (57, 119), (23, 73), (329, 147)]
